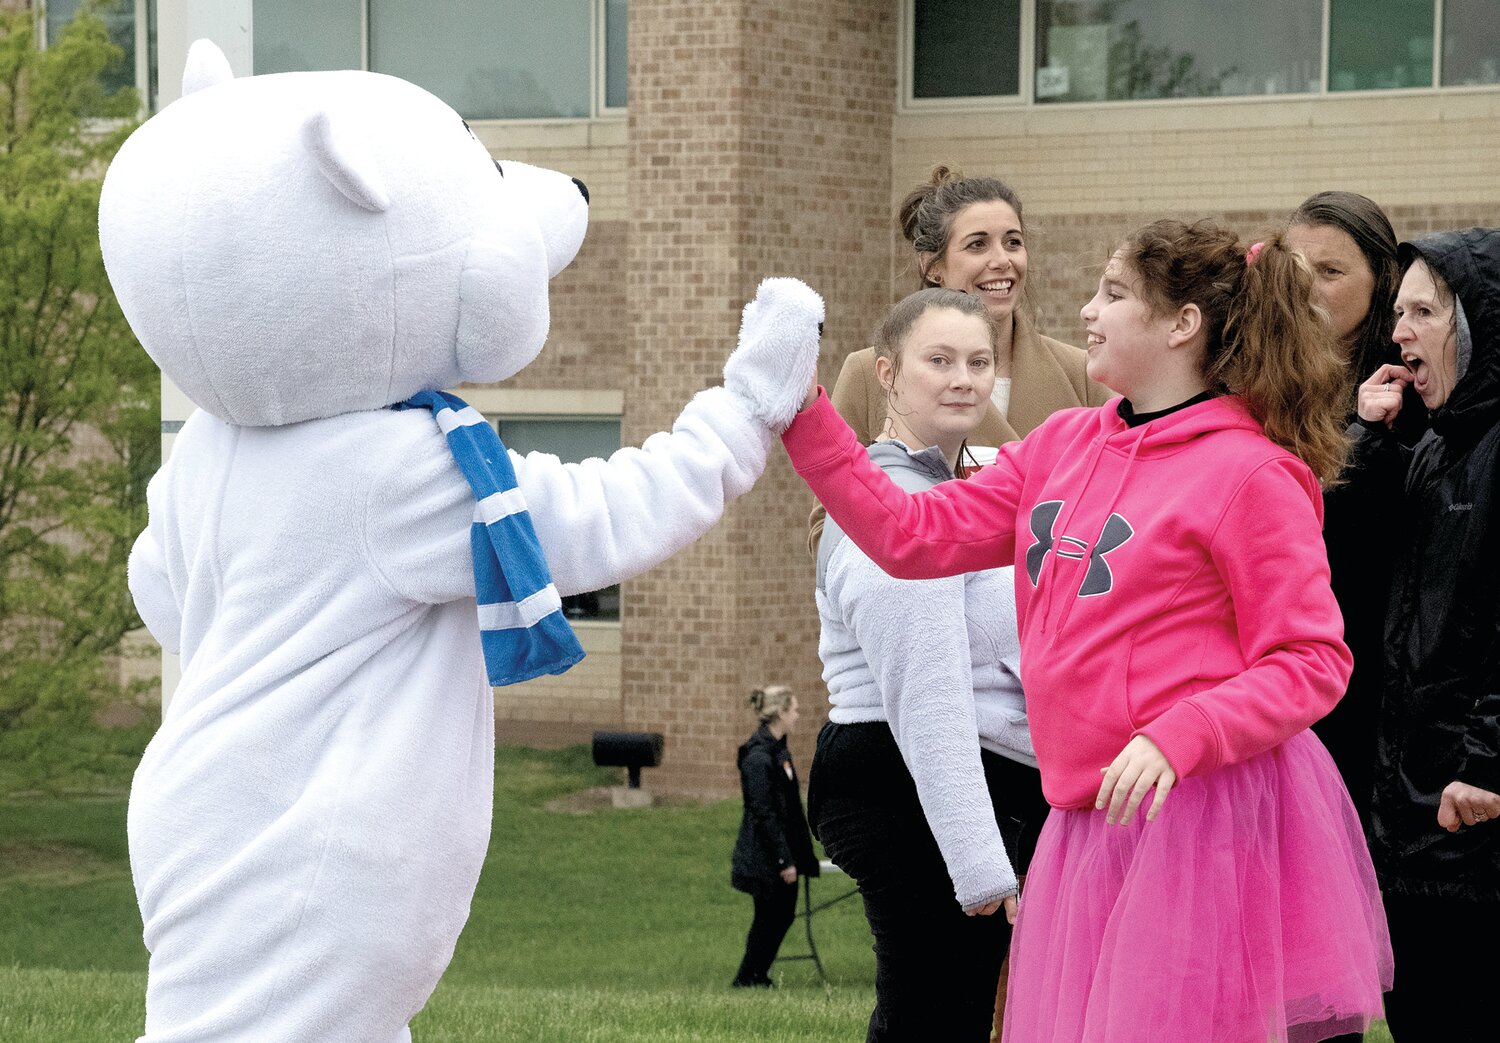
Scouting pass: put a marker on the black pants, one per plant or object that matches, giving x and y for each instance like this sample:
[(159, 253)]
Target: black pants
[(775, 909), (936, 970), (1445, 969)]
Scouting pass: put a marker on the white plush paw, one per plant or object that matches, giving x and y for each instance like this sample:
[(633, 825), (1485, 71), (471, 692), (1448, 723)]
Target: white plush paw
[(778, 351)]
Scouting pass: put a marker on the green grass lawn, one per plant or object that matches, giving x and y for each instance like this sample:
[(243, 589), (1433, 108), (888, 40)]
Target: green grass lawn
[(607, 926), (612, 925)]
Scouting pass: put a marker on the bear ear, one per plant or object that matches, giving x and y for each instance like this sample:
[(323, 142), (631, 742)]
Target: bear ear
[(346, 163), (206, 67)]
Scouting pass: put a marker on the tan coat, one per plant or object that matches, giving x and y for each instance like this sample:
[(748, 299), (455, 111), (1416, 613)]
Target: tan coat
[(1046, 375)]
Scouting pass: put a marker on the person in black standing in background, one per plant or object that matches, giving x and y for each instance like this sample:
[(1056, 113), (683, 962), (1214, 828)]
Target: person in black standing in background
[(774, 846)]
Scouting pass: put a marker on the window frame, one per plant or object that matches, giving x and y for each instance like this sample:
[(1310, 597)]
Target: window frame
[(600, 46), (906, 104), (906, 80)]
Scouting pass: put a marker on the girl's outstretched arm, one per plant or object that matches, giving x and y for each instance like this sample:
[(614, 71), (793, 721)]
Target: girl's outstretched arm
[(952, 528)]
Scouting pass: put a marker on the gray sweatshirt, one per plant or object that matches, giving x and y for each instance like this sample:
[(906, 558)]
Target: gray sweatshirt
[(939, 661)]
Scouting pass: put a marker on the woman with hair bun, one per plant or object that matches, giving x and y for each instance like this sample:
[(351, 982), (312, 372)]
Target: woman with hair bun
[(773, 848), (968, 234), (1178, 636)]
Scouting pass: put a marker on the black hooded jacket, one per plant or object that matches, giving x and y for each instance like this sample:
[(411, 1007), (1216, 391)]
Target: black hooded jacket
[(1440, 714), (773, 831)]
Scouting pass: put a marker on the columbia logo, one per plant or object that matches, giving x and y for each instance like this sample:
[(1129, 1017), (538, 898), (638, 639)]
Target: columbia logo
[(1460, 507)]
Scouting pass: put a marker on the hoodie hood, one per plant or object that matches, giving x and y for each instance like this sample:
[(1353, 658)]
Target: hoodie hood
[(1468, 260)]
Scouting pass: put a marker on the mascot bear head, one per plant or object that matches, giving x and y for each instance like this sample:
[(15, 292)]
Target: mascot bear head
[(302, 245)]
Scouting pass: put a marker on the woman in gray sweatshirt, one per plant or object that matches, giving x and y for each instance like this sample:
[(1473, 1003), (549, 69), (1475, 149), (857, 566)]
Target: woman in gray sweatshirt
[(925, 769)]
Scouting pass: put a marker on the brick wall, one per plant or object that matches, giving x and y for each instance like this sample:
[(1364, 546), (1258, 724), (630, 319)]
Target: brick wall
[(758, 144), (566, 709)]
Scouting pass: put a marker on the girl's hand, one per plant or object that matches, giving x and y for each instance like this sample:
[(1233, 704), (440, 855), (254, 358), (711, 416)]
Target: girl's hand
[(812, 393), (1011, 906), (1380, 396), (1140, 766), (1465, 805)]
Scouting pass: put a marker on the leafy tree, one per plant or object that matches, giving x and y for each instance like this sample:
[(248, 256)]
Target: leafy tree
[(78, 397)]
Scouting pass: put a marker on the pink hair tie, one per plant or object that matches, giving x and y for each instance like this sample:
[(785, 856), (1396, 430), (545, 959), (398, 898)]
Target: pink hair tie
[(1253, 253)]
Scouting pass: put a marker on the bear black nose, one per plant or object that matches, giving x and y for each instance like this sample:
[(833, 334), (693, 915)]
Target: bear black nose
[(583, 189)]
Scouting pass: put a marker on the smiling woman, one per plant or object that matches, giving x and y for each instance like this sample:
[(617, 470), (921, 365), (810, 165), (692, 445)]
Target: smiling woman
[(969, 234)]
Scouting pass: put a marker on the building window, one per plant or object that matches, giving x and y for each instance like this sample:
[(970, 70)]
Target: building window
[(962, 49), (614, 54), (1108, 50), (1471, 43), (119, 19), (571, 439), (303, 35), (489, 59), (1058, 51), (1379, 44)]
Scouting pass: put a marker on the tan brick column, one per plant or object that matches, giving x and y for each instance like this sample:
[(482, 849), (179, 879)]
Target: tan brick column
[(759, 144)]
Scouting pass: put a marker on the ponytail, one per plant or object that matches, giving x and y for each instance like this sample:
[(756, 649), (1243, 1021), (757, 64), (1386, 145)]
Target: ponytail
[(1264, 338), (1282, 358)]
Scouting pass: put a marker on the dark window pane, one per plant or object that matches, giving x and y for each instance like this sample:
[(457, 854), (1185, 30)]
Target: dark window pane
[(305, 35), (490, 59), (570, 439), (965, 49), (1379, 44), (1471, 43), (614, 54), (1098, 50)]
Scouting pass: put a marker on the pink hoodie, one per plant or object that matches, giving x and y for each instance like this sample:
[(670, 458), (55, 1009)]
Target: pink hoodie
[(1171, 579)]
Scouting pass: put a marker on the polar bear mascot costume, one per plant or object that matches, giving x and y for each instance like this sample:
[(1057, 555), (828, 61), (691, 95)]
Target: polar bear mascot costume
[(300, 253)]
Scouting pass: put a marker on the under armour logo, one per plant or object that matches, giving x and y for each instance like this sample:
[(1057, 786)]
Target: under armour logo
[(1099, 579)]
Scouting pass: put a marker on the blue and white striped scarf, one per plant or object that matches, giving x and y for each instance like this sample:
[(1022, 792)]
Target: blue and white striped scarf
[(521, 623)]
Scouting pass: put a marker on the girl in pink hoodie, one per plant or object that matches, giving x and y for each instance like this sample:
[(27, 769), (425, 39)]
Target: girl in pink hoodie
[(1178, 637)]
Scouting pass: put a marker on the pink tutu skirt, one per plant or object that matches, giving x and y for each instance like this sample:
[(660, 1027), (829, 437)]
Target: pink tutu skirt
[(1247, 912)]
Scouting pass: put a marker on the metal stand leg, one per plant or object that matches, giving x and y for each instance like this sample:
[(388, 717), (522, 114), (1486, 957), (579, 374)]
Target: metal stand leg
[(807, 915)]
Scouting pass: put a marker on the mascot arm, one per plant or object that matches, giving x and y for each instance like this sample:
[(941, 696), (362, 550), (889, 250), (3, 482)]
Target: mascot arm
[(150, 585), (601, 522)]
